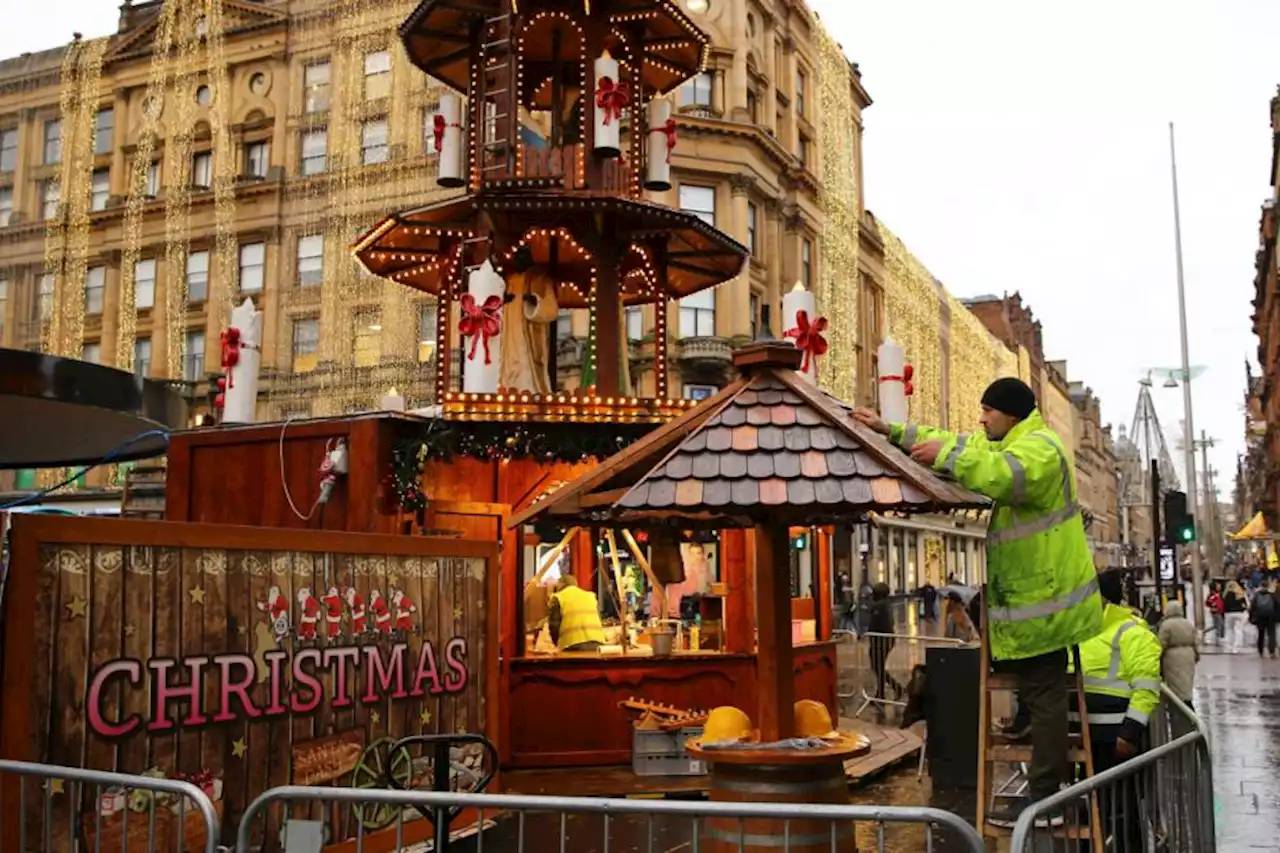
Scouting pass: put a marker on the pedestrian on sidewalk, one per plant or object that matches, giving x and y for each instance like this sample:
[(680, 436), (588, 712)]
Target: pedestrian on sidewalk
[(1178, 660), (958, 625), (881, 629), (1234, 607), (1262, 613), (929, 602), (1042, 589), (1217, 611)]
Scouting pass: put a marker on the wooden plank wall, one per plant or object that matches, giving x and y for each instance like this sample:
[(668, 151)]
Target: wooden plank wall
[(76, 602)]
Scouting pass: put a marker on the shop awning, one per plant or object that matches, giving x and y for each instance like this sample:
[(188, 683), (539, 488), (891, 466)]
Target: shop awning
[(1255, 529)]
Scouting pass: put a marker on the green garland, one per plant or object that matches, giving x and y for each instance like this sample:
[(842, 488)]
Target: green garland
[(571, 442)]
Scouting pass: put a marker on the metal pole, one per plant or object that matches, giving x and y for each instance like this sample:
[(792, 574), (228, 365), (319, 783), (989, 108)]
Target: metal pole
[(1155, 529), (1190, 449)]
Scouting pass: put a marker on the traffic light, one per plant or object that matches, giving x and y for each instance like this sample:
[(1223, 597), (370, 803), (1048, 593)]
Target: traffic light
[(1179, 527)]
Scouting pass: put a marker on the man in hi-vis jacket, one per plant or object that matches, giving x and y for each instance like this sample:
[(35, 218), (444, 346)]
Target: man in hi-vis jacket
[(1042, 590)]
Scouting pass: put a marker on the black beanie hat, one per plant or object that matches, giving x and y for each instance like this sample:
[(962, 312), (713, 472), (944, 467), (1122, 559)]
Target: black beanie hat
[(1011, 396)]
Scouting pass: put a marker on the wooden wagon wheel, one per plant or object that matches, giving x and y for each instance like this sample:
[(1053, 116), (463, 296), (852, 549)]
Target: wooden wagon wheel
[(377, 764)]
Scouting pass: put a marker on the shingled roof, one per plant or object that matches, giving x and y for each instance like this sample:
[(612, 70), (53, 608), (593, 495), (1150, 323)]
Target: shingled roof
[(768, 446)]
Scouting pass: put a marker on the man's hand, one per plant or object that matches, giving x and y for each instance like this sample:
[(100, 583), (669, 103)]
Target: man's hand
[(1125, 749), (869, 418), (927, 452)]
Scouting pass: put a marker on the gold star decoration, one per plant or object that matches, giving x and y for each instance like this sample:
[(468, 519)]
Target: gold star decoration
[(239, 747), (393, 580), (242, 630), (457, 613), (425, 717), (129, 630), (77, 607), (54, 786), (197, 594), (375, 717)]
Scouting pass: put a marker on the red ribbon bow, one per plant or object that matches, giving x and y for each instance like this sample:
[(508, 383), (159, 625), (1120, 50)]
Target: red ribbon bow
[(230, 358), (438, 128), (907, 372), (669, 129), (480, 322), (809, 339), (612, 97)]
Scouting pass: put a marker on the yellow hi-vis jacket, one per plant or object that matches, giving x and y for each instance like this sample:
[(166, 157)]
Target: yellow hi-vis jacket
[(1121, 677), (579, 617), (1042, 589)]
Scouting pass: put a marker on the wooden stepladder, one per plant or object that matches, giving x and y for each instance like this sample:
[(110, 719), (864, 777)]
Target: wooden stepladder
[(995, 748)]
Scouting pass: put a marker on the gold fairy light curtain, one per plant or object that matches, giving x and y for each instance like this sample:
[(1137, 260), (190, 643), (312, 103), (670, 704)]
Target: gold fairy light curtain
[(837, 288), (342, 338), (973, 355), (913, 315)]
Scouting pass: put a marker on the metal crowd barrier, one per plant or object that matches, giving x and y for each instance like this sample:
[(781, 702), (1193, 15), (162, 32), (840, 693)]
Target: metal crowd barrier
[(515, 824), (1161, 799), (47, 808), (876, 669)]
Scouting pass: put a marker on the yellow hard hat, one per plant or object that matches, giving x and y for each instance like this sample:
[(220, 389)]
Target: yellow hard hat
[(726, 723), (812, 719)]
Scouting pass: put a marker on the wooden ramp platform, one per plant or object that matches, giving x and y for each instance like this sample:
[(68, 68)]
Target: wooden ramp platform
[(890, 747)]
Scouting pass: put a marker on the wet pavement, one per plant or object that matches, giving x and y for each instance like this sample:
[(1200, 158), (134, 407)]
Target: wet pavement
[(1238, 697)]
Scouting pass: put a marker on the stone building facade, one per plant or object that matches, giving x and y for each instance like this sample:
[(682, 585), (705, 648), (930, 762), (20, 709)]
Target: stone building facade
[(320, 125), (1265, 455)]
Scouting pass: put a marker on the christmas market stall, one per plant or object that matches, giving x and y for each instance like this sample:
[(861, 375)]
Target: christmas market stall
[(768, 453)]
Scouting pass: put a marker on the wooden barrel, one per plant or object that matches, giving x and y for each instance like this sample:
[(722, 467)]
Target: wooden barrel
[(784, 784)]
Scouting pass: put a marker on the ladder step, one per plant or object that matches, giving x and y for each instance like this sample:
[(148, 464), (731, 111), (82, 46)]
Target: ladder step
[(1003, 681), (1074, 833), (1020, 753)]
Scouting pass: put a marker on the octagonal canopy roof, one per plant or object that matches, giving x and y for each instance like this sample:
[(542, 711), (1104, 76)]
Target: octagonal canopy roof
[(769, 448), (421, 248), (437, 38)]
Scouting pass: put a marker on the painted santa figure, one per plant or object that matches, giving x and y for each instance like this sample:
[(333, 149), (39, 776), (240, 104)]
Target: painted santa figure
[(359, 618), (332, 602), (277, 609), (310, 614), (404, 610), (381, 614)]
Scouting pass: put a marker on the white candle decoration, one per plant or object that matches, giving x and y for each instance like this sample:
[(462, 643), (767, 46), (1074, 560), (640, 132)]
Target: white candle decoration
[(240, 400), (892, 380), (662, 138), (482, 341), (608, 99), (448, 142), (392, 401), (793, 303)]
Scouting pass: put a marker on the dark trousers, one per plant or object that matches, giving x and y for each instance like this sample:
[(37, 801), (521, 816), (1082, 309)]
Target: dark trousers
[(1042, 694), (880, 648), (1119, 804), (1266, 635)]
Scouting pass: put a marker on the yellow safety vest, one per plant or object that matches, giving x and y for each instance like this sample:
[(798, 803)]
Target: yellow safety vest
[(579, 617), (1042, 588), (1121, 675)]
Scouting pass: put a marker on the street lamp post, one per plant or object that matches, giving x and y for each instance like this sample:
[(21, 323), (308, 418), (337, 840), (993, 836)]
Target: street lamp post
[(1189, 445)]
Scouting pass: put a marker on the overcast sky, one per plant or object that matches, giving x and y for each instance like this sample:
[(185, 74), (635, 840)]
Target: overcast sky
[(1024, 146)]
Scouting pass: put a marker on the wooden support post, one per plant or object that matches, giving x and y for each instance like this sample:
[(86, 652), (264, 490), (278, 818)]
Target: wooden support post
[(643, 562), (623, 616), (824, 605), (776, 681)]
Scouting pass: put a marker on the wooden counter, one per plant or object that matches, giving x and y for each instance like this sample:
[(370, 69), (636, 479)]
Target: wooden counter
[(568, 705)]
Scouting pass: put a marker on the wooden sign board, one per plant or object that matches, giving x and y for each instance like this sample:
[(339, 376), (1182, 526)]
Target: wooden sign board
[(256, 656)]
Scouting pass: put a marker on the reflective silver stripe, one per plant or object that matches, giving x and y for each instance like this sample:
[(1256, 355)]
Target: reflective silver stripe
[(949, 467), (1146, 684), (1098, 719), (1137, 715), (1045, 522), (1108, 684), (1033, 526), (1041, 609), (909, 433), (1019, 479), (1113, 671)]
